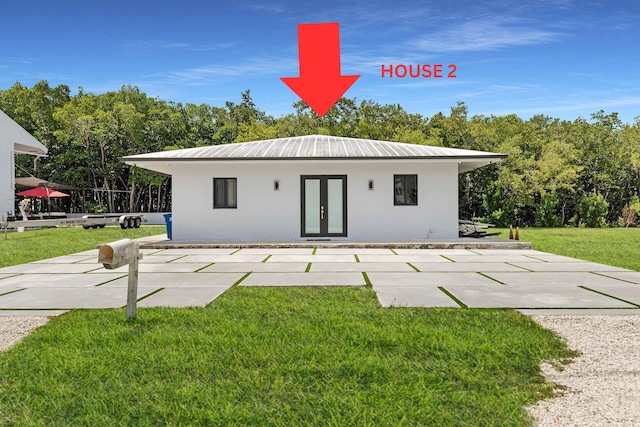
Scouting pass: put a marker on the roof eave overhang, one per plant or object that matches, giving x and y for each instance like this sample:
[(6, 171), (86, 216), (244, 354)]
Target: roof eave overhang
[(163, 165), (132, 159), (33, 150)]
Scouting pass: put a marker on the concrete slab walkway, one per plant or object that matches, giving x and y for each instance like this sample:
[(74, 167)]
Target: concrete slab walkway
[(524, 279)]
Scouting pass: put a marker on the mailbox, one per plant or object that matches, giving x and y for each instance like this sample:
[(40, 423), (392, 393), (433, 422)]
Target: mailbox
[(118, 253)]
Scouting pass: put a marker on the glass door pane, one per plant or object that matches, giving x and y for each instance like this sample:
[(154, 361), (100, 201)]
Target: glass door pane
[(334, 205), (312, 206)]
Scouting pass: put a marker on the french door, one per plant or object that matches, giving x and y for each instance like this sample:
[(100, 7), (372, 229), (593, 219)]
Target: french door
[(323, 205)]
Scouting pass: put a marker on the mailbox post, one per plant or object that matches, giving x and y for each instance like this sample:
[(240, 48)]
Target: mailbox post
[(117, 254)]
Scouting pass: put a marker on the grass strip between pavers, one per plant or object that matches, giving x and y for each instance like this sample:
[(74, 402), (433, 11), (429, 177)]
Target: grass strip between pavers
[(453, 297), (366, 278), (414, 267)]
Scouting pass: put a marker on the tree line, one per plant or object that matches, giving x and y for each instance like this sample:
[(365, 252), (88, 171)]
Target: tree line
[(584, 172)]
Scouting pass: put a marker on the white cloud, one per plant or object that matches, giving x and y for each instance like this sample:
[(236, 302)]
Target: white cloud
[(214, 73), (483, 34), (162, 45), (265, 7)]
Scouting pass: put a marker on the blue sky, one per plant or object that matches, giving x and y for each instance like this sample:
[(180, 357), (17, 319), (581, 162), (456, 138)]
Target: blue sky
[(562, 58)]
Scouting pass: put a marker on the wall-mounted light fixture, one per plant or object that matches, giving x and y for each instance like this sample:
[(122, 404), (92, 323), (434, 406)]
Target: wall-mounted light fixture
[(276, 185), (370, 185)]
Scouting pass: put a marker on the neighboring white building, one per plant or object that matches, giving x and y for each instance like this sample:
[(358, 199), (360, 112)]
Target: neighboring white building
[(13, 140), (314, 187)]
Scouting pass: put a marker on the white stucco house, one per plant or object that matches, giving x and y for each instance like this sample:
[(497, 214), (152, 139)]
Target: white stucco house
[(314, 187), (13, 140)]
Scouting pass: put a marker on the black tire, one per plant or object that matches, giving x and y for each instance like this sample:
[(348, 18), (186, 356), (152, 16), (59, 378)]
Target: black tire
[(101, 225), (124, 224), (131, 222), (86, 227), (136, 222)]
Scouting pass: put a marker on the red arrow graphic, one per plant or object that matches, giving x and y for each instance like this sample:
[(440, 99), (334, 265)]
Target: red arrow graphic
[(320, 84)]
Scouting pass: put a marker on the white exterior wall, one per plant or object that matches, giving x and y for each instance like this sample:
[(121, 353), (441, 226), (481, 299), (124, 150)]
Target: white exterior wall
[(267, 215), (7, 192), (13, 138)]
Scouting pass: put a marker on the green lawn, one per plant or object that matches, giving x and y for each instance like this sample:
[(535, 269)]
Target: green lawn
[(279, 357), (34, 245), (613, 246)]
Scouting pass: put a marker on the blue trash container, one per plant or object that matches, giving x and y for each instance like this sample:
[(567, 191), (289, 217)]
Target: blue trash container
[(167, 222)]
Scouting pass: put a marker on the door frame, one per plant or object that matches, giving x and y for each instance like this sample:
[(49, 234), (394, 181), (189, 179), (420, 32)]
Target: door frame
[(323, 202)]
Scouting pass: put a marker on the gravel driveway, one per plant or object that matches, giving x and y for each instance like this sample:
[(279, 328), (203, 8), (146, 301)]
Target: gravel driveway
[(603, 384), (13, 329)]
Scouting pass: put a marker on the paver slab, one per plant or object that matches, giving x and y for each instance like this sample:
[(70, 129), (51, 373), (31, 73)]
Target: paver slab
[(196, 251), (351, 251), (629, 276), (183, 297), (627, 292), (494, 258), (549, 278), (437, 252), (90, 253), (304, 279), (5, 289), (402, 258), (312, 258), (159, 268), (561, 296), (281, 251), (50, 268), (502, 252), (158, 259), (429, 278), (30, 313), (568, 266), (265, 267), (237, 257), (146, 259), (542, 256), (413, 296), (179, 280), (465, 266), (580, 312), (66, 259), (360, 266), (69, 298), (58, 280)]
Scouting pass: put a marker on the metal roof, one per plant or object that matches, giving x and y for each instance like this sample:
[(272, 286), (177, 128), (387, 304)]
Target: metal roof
[(314, 147)]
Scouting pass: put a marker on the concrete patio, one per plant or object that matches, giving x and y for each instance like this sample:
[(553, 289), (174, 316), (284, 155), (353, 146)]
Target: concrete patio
[(524, 279)]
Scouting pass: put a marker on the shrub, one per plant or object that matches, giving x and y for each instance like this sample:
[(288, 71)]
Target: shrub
[(630, 211), (545, 214), (96, 208), (591, 210)]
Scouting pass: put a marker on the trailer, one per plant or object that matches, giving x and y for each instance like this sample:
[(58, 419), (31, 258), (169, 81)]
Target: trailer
[(87, 221)]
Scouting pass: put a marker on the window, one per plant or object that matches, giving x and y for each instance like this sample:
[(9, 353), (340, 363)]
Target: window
[(405, 190), (225, 193)]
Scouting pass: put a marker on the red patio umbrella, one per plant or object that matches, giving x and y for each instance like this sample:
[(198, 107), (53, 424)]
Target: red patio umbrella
[(41, 192)]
